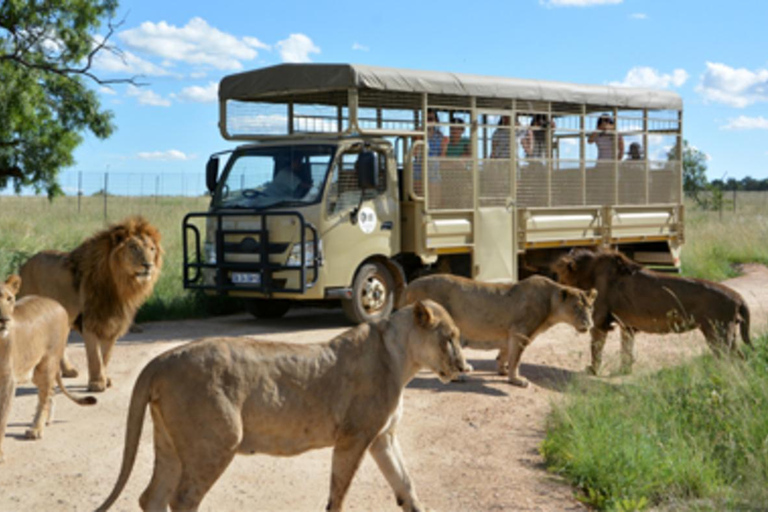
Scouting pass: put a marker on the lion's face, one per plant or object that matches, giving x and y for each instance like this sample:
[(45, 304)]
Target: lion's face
[(439, 347), (575, 307), (8, 291), (137, 257), (572, 269)]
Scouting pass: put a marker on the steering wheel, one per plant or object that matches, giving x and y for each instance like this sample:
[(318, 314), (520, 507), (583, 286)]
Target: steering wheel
[(250, 193)]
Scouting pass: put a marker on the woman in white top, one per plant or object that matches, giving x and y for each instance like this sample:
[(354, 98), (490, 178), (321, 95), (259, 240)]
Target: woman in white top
[(610, 146)]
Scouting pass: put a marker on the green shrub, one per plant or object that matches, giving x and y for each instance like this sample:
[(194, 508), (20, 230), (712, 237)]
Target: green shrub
[(695, 432)]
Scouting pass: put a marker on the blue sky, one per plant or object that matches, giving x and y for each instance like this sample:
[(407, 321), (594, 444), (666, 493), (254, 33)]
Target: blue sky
[(712, 53)]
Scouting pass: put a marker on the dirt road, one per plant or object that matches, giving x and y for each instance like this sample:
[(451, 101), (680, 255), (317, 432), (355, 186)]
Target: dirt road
[(469, 446)]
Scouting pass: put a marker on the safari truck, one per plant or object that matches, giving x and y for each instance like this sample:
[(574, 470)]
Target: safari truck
[(351, 180)]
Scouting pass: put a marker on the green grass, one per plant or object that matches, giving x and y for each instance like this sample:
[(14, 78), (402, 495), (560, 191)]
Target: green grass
[(715, 243), (693, 437), (32, 224)]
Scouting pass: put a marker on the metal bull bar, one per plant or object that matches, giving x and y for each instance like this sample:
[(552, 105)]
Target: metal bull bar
[(254, 242)]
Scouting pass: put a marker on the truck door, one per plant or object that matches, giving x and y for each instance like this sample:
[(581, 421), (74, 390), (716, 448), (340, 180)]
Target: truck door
[(495, 251), (357, 229)]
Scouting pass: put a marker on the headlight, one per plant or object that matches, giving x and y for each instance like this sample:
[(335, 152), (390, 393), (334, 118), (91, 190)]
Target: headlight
[(294, 258), (209, 251)]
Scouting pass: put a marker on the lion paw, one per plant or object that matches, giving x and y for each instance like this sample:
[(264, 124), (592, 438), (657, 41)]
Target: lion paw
[(97, 386), (33, 433), (625, 370), (591, 370), (69, 373), (519, 381)]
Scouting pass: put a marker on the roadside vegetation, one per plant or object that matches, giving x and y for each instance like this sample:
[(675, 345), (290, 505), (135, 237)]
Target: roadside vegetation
[(693, 437)]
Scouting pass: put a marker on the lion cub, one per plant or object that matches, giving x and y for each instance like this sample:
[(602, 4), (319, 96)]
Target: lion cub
[(33, 334), (218, 397), (505, 316)]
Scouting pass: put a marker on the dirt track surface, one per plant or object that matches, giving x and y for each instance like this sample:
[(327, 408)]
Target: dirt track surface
[(469, 446)]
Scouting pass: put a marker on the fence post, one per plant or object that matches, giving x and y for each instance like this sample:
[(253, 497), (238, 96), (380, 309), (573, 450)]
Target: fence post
[(106, 189), (79, 189), (157, 188), (734, 200)]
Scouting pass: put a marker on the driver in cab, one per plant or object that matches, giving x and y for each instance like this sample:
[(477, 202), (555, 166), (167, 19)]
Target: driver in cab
[(292, 180)]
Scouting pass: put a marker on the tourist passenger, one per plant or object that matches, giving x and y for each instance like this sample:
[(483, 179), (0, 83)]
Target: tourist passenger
[(610, 146), (458, 145), (500, 139), (635, 153), (535, 140)]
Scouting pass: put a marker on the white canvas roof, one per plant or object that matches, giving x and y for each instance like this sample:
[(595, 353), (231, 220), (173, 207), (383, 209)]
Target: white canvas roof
[(284, 79)]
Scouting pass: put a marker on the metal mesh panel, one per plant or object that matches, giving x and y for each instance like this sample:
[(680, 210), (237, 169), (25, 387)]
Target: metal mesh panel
[(600, 180), (246, 118), (450, 184), (566, 184), (343, 192), (532, 184), (387, 110), (632, 183), (494, 183), (663, 183)]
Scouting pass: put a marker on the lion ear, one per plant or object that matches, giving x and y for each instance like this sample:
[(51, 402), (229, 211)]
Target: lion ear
[(422, 315), (14, 283), (592, 295), (118, 236)]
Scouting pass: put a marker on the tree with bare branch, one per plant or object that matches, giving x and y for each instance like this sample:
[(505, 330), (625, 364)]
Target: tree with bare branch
[(47, 50)]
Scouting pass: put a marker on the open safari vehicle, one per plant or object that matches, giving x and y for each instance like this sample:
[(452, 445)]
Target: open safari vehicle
[(351, 180)]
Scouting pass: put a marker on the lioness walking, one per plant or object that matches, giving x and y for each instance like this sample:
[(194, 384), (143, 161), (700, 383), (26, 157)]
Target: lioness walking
[(638, 299), (217, 397), (33, 334), (505, 316)]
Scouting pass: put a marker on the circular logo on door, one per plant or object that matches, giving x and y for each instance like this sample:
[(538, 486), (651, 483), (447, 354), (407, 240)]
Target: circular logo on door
[(366, 219)]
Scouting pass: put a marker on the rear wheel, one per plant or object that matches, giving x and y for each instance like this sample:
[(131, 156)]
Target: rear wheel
[(267, 308), (372, 294)]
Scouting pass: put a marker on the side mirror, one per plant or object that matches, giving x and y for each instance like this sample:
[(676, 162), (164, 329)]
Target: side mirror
[(211, 173), (367, 170)]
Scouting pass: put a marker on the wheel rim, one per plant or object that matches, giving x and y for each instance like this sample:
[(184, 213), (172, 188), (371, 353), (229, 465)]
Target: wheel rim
[(374, 294)]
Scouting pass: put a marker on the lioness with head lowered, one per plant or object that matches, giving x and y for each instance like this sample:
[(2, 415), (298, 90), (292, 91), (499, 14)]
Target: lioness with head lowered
[(217, 397), (101, 284), (505, 316), (33, 334), (638, 299)]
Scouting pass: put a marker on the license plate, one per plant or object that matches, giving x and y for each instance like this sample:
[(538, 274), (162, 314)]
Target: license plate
[(246, 278)]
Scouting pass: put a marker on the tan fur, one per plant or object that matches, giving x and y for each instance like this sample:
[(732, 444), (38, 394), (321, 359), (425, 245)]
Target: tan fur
[(33, 334), (101, 284), (639, 299), (217, 397), (505, 316)]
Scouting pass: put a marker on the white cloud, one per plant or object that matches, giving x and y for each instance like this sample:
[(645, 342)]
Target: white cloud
[(296, 48), (643, 76), (359, 47), (126, 63), (147, 97), (195, 43), (198, 94), (577, 3), (107, 90), (746, 123), (171, 154), (735, 87), (639, 16)]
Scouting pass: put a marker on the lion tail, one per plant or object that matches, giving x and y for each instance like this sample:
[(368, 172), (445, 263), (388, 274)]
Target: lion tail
[(744, 325), (85, 400), (136, 410)]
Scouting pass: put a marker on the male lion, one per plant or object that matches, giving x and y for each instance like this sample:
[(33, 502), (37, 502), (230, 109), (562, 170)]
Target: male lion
[(217, 397), (639, 299), (505, 316), (33, 334), (101, 284)]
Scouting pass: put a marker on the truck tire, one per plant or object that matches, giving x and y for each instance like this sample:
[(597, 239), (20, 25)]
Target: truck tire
[(373, 294), (267, 309)]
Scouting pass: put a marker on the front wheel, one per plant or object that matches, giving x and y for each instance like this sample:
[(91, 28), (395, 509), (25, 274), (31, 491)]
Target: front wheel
[(372, 294), (267, 309)]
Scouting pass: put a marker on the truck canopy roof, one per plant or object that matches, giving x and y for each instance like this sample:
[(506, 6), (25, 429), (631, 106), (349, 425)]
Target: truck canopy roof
[(307, 81)]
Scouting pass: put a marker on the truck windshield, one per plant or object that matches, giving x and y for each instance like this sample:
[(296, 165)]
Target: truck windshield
[(272, 176)]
